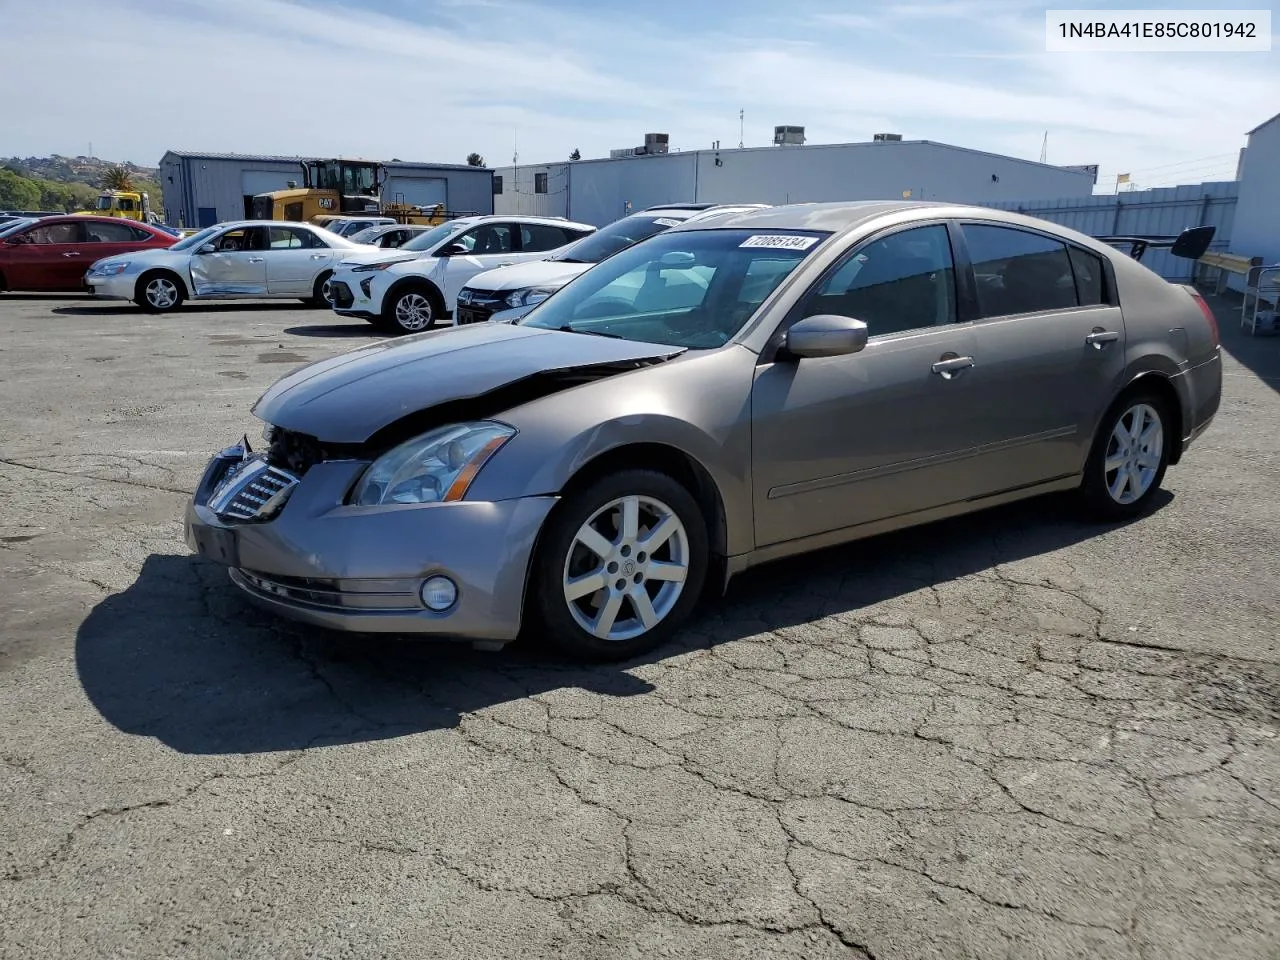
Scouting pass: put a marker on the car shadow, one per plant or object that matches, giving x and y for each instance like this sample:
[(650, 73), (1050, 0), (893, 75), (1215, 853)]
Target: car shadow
[(95, 308), (182, 657), (1259, 354)]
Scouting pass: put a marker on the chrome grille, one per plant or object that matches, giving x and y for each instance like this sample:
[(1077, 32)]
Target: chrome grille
[(252, 490)]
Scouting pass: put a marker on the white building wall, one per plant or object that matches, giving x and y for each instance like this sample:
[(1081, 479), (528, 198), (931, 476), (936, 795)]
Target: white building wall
[(519, 194), (601, 191), (1256, 232), (879, 171)]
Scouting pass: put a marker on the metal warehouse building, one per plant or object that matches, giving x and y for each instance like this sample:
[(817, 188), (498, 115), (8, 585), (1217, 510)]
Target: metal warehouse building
[(600, 191), (201, 189)]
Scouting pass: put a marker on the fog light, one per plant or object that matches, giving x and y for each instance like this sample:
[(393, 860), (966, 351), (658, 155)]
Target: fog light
[(439, 593)]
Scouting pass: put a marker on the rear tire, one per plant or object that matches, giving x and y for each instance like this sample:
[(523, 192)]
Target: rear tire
[(159, 292), (411, 310), (632, 590), (1129, 457), (320, 292)]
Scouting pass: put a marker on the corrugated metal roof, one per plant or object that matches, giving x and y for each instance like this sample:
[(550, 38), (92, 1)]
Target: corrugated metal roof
[(1264, 123), (276, 158)]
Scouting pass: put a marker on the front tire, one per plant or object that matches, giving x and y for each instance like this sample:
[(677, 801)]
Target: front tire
[(1129, 457), (410, 311), (621, 566), (159, 292)]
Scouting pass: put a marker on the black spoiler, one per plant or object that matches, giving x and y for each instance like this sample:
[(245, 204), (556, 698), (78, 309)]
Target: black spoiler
[(1190, 244)]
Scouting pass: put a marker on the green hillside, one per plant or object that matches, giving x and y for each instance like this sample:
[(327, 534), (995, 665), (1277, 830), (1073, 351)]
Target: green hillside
[(58, 183)]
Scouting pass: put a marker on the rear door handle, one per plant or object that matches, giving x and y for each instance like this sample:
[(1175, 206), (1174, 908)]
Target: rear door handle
[(1100, 337), (949, 367), (317, 256), (255, 259)]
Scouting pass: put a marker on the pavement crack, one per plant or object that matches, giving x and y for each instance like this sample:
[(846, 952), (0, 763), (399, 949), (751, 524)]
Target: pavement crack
[(88, 476)]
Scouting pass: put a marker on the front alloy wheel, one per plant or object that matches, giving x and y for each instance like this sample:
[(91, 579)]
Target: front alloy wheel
[(413, 312), (621, 565), (160, 293), (1129, 458)]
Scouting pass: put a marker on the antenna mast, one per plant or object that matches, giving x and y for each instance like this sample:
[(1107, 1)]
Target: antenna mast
[(741, 114), (1044, 147)]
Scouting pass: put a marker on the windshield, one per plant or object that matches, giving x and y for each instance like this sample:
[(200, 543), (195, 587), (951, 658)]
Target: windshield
[(425, 241), (195, 239), (690, 288), (366, 235), (13, 226), (104, 203), (618, 235)]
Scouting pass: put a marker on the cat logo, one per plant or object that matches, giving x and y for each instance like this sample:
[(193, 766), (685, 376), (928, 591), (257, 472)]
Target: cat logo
[(326, 203)]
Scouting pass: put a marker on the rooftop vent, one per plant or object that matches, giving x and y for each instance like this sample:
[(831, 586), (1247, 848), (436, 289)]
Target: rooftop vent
[(887, 137), (788, 136)]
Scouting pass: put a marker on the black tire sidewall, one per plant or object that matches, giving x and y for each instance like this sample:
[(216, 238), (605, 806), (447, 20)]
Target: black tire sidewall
[(548, 604), (1094, 485), (141, 291), (317, 298)]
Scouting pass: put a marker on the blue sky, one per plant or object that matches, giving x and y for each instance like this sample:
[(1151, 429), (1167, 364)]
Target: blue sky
[(436, 79)]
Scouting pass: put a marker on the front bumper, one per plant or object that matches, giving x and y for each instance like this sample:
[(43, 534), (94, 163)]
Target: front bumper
[(481, 305), (360, 569), (357, 294), (118, 287)]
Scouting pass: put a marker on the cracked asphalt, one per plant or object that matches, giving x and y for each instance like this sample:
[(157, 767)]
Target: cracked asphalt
[(1014, 735)]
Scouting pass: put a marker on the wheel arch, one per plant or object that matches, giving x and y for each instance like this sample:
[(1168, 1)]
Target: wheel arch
[(1162, 384), (405, 284), (183, 284), (665, 458)]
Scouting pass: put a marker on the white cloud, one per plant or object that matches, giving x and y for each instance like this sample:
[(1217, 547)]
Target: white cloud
[(284, 76)]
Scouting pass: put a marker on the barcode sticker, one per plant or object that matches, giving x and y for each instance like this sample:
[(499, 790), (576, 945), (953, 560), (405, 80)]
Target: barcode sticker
[(779, 242), (668, 222)]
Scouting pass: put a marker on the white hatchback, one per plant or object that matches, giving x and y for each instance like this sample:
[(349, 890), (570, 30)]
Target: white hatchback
[(416, 285)]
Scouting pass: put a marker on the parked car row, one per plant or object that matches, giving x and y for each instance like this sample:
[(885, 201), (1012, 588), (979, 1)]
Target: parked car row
[(729, 390)]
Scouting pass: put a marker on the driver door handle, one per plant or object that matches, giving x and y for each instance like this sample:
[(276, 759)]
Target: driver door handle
[(1100, 337), (948, 367), (255, 259), (74, 253)]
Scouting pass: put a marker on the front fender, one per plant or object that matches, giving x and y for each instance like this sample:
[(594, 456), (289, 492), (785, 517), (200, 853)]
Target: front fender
[(696, 405)]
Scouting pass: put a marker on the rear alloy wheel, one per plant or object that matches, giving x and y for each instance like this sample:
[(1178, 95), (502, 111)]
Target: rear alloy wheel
[(410, 312), (1129, 458), (322, 292), (159, 292), (622, 565)]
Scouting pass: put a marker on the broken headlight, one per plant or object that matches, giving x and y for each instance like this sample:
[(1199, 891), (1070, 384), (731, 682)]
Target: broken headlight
[(436, 467)]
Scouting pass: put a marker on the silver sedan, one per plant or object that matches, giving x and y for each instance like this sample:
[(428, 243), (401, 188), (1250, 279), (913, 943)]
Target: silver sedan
[(236, 260), (717, 396)]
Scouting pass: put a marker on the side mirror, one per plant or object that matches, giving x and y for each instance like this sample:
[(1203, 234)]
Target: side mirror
[(453, 250), (207, 248), (825, 335)]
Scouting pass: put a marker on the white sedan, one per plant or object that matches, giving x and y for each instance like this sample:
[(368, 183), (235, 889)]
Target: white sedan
[(408, 289), (246, 259)]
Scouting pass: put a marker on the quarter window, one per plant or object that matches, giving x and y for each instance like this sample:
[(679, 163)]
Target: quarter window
[(1088, 270), (1018, 271), (904, 281)]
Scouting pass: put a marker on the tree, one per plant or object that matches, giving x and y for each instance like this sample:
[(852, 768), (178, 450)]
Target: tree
[(475, 160), (17, 193), (117, 177), (575, 155)]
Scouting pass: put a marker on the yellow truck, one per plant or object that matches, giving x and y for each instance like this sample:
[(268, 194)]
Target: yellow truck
[(128, 204), (332, 188)]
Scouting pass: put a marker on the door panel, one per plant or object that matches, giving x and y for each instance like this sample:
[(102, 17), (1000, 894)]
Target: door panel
[(292, 262), (1052, 352), (48, 257), (491, 245), (238, 268), (842, 441)]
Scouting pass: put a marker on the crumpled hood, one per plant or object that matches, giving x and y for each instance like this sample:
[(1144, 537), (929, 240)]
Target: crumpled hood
[(535, 273), (350, 397)]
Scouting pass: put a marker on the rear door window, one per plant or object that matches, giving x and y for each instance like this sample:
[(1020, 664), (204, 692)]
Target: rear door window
[(1018, 271)]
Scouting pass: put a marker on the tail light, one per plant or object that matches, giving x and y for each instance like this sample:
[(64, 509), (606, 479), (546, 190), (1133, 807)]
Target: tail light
[(1208, 314)]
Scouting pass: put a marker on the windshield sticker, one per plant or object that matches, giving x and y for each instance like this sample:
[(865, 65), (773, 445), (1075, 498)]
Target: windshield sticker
[(782, 242), (668, 222)]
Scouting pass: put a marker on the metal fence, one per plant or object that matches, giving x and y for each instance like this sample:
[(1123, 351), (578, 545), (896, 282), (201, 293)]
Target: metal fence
[(1163, 210)]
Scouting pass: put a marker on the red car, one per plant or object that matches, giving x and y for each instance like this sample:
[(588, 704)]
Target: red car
[(54, 253)]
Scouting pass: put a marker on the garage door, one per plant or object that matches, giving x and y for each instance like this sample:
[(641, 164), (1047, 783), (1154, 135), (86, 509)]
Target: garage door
[(254, 182), (424, 191)]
